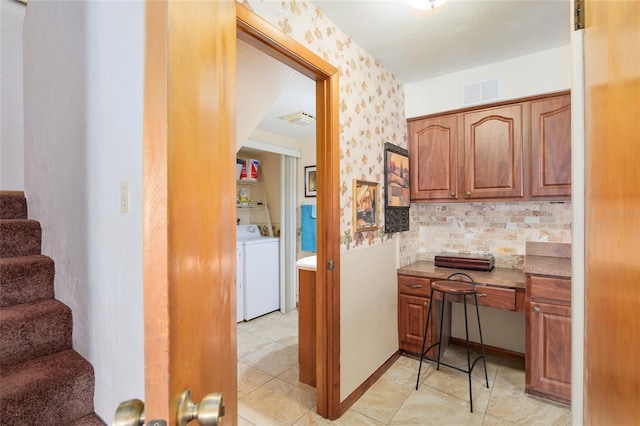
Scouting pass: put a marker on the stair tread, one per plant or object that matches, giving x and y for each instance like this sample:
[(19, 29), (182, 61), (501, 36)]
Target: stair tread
[(54, 389), (17, 260), (34, 329)]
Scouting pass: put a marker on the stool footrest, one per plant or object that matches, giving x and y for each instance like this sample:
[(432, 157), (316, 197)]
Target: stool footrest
[(473, 364)]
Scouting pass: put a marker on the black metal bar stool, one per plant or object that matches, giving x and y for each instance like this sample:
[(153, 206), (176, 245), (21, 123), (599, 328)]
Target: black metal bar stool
[(454, 288)]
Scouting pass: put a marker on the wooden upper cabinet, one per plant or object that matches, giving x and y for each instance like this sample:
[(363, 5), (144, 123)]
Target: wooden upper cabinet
[(516, 150), (433, 145), (551, 147), (493, 145)]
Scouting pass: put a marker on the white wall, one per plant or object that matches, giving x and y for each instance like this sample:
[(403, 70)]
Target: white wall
[(11, 109), (368, 313), (542, 72), (83, 97)]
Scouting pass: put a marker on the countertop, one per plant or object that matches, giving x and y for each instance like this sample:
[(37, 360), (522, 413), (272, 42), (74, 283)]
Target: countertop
[(548, 259), (499, 277), (547, 265)]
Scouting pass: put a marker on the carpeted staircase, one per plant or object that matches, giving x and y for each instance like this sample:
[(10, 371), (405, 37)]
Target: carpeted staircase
[(43, 381)]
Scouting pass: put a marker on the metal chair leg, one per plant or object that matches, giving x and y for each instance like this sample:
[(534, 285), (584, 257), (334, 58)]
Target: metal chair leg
[(484, 362), (424, 337), (466, 331)]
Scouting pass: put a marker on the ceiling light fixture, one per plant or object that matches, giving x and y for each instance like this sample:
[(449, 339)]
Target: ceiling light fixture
[(426, 4), (299, 118)]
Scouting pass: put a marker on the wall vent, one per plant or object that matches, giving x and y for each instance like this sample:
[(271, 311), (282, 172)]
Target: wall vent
[(481, 91)]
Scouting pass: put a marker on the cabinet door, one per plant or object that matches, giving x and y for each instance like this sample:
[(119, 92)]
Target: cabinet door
[(493, 153), (412, 313), (548, 357), (433, 145), (551, 147)]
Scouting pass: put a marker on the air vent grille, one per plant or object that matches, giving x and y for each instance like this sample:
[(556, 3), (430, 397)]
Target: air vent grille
[(481, 91)]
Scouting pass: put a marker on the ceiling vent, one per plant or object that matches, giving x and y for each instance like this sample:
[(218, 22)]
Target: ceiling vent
[(482, 91), (299, 118)]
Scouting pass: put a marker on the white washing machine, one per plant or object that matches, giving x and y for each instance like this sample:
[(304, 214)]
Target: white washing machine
[(258, 272)]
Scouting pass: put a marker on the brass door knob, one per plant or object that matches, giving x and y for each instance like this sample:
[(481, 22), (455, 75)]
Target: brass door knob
[(208, 412), (129, 413)]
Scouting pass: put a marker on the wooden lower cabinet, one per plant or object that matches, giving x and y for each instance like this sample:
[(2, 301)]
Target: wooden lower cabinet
[(413, 305), (548, 345)]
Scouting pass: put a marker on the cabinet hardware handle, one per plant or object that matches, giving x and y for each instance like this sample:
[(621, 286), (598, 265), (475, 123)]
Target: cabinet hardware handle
[(468, 194), (425, 304), (536, 309), (414, 285), (482, 295), (453, 194)]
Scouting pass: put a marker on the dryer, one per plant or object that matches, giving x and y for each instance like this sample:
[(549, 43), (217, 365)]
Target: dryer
[(258, 272)]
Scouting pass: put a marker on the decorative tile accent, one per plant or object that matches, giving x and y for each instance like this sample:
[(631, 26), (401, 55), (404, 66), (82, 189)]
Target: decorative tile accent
[(499, 228)]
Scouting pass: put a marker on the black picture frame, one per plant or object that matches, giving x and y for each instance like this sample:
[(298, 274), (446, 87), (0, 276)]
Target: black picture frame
[(397, 190), (310, 181)]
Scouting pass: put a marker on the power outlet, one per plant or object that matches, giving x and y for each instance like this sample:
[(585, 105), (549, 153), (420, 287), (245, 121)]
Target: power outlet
[(124, 196)]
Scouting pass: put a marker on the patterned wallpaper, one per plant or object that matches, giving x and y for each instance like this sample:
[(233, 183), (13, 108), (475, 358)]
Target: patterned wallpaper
[(501, 228), (372, 113), (371, 104)]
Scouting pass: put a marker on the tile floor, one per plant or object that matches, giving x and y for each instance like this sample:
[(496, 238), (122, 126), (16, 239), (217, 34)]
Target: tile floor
[(269, 392)]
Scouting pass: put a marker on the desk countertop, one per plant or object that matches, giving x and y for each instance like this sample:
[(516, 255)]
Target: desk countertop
[(547, 265), (499, 277)]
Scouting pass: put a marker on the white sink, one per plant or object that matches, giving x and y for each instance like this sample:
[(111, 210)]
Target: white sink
[(308, 263)]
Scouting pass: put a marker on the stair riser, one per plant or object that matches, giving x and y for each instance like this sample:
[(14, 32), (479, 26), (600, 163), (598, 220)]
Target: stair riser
[(13, 206), (20, 238), (27, 333), (26, 280)]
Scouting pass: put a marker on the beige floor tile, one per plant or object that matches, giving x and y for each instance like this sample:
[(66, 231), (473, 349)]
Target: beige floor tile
[(243, 422), (511, 404), (404, 372), (292, 376), (382, 400), (456, 384), (290, 340), (249, 342), (250, 378), (494, 421), (511, 371), (276, 403), (350, 418), (273, 359), (435, 408)]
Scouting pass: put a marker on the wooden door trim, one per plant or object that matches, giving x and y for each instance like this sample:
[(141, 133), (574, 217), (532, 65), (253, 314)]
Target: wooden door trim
[(262, 35)]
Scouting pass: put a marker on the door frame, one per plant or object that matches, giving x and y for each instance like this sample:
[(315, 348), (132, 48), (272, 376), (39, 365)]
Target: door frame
[(260, 34)]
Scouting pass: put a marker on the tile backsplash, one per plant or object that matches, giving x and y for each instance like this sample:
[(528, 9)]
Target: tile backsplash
[(499, 228)]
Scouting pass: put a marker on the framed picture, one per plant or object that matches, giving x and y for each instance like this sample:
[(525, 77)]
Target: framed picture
[(397, 200), (310, 182), (365, 205)]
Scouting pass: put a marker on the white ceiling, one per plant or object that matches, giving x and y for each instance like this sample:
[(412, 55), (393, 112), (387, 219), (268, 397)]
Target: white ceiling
[(416, 45)]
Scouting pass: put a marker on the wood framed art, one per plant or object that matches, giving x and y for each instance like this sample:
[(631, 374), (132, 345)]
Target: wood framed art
[(397, 198), (365, 205), (310, 182)]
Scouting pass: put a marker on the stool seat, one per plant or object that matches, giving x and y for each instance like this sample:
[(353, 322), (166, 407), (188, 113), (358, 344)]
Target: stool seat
[(454, 287)]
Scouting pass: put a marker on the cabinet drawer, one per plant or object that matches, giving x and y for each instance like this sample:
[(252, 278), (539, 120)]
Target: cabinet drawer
[(548, 288), (496, 297), (416, 286)]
